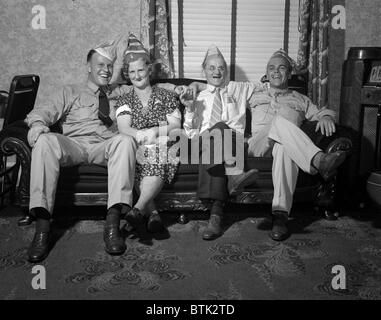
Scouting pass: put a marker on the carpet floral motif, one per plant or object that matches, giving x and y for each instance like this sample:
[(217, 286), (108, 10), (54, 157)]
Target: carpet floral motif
[(4, 223), (139, 266), (14, 259), (363, 277), (299, 267), (269, 259), (348, 228), (232, 294), (89, 227)]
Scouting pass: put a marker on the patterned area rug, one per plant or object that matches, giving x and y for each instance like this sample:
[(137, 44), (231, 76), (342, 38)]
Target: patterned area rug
[(243, 264)]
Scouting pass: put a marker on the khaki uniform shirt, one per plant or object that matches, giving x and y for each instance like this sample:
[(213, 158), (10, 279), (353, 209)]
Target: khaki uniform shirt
[(289, 104), (76, 108)]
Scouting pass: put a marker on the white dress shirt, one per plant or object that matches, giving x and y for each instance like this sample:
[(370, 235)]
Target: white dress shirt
[(234, 97)]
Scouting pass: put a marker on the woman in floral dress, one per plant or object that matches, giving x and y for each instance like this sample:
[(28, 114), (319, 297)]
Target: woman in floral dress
[(148, 113)]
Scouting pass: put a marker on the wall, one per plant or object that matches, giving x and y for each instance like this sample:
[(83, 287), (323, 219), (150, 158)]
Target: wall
[(336, 56), (58, 53), (363, 24), (363, 28)]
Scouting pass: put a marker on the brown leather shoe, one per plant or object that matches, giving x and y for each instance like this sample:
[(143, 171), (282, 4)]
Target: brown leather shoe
[(329, 163), (238, 182), (214, 228), (39, 248), (279, 231), (114, 242)]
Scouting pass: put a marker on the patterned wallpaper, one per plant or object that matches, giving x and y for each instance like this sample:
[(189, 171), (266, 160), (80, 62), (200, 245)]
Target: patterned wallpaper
[(58, 53), (336, 58), (363, 24), (362, 29)]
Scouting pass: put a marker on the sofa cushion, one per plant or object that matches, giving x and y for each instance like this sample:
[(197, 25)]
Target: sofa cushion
[(87, 171), (93, 178), (259, 163), (187, 169), (84, 171)]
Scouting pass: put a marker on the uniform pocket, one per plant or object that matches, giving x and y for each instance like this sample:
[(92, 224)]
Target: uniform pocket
[(81, 112)]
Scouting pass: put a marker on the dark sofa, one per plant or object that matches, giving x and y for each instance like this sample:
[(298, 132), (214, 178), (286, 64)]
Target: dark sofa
[(87, 184)]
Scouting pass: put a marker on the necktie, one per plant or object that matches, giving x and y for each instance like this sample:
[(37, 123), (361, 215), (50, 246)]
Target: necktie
[(104, 108), (216, 113)]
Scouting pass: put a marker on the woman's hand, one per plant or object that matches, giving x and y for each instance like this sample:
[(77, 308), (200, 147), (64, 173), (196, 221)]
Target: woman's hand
[(147, 136)]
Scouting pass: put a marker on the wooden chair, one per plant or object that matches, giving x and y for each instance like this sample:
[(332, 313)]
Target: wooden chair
[(21, 98)]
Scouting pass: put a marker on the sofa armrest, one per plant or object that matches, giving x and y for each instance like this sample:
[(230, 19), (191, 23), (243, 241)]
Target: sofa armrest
[(16, 130), (13, 141)]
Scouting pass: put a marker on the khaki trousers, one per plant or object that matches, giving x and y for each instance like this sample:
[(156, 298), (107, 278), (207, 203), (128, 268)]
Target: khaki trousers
[(291, 149), (53, 150)]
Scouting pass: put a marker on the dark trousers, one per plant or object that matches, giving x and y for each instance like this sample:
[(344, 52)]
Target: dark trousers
[(212, 181)]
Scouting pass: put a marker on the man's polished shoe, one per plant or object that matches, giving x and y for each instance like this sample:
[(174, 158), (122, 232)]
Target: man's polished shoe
[(134, 217), (329, 163), (237, 182), (154, 223), (214, 228), (279, 231), (114, 242), (39, 248)]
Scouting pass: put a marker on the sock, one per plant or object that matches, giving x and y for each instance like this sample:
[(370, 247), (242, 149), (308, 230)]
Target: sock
[(42, 219), (217, 207), (113, 214), (280, 214), (125, 209), (316, 160)]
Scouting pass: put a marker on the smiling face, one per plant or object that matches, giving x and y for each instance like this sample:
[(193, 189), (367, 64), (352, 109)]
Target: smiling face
[(278, 72), (215, 70), (100, 69), (139, 72)]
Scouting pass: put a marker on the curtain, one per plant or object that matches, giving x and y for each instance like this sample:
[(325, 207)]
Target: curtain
[(155, 36), (314, 19)]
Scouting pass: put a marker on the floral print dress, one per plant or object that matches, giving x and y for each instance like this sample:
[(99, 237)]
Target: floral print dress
[(159, 159)]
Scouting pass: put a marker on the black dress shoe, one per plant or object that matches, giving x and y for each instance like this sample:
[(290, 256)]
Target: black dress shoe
[(39, 248), (279, 231), (238, 182), (25, 221), (154, 223), (214, 228), (329, 163), (114, 242), (134, 217)]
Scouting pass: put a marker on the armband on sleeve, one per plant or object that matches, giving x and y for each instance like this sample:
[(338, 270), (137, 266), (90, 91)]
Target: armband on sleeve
[(123, 110)]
